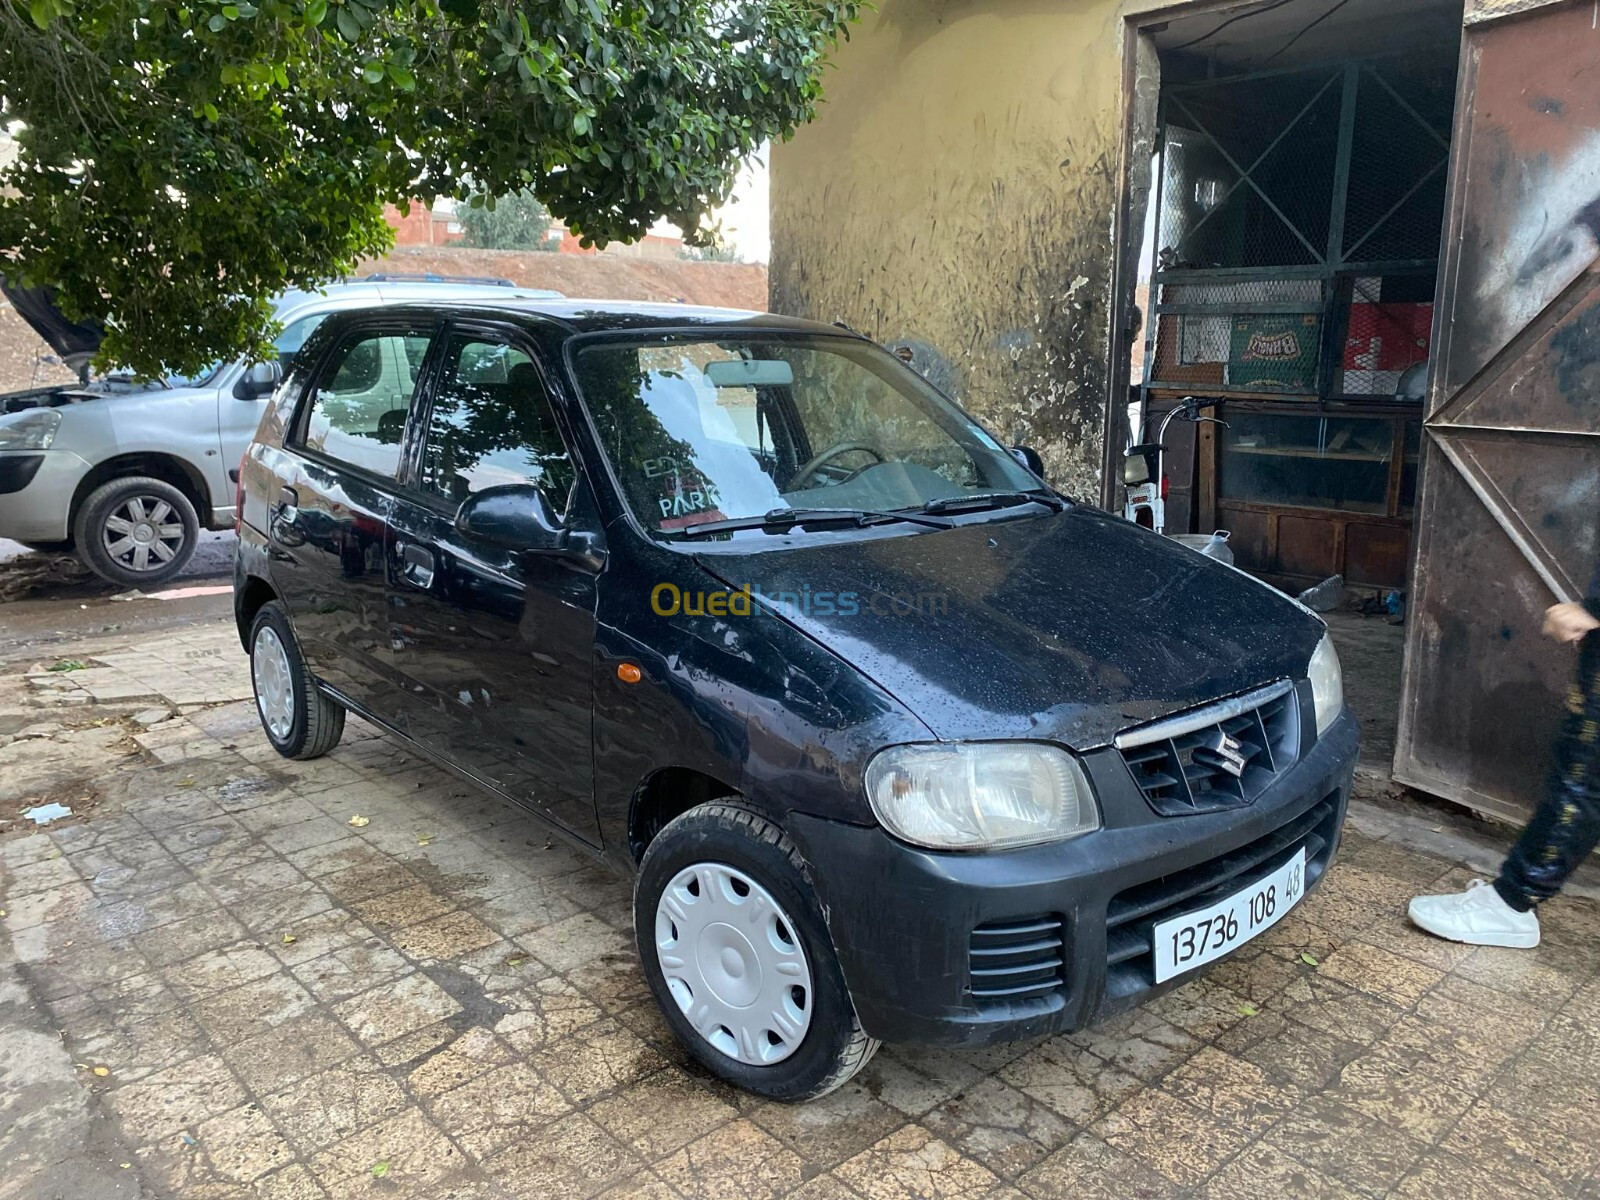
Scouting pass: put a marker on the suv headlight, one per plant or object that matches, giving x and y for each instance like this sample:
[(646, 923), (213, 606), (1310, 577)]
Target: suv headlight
[(31, 429), (1327, 683), (980, 795)]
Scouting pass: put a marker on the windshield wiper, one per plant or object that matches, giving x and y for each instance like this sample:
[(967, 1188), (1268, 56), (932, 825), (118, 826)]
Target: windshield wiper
[(787, 518), (981, 500)]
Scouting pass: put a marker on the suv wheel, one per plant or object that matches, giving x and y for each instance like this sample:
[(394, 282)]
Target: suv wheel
[(137, 531), (736, 952), (300, 720)]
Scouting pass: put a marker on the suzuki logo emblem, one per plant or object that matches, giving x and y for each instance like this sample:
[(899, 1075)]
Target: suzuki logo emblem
[(1223, 751)]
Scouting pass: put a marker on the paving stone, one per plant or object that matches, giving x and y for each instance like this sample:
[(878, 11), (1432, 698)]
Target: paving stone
[(575, 1158), (826, 1131), (735, 1161), (283, 1002), (507, 1106), (913, 1164), (1088, 1169), (634, 1114), (1181, 1141), (394, 1009), (327, 1107)]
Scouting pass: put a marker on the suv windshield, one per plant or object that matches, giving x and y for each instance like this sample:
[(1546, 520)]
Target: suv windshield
[(702, 430)]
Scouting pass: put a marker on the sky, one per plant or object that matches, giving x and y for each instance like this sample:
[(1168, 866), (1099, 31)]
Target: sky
[(744, 218)]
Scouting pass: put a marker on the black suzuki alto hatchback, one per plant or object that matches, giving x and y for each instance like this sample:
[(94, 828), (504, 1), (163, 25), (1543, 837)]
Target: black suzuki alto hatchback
[(898, 743)]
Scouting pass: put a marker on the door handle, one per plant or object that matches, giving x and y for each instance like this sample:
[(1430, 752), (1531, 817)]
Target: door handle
[(288, 510), (417, 564)]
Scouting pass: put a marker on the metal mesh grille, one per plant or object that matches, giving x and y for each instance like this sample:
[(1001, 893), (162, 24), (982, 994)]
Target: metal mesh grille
[(1248, 171), (1299, 213), (1394, 203), (1243, 335)]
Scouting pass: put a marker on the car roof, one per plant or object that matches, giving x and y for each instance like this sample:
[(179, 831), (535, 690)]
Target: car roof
[(401, 289), (597, 316)]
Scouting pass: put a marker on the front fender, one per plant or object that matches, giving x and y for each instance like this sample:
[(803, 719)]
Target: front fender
[(746, 700)]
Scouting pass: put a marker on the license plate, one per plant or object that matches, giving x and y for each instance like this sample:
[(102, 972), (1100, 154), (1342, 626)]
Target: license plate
[(1206, 934)]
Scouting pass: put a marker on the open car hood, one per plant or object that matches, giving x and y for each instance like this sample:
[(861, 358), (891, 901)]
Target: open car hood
[(37, 306)]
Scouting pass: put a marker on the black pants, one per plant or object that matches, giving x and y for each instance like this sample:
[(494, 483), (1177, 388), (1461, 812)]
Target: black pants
[(1567, 825)]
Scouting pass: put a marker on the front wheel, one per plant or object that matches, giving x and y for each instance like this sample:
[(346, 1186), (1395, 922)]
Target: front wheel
[(737, 954), (300, 720), (136, 532)]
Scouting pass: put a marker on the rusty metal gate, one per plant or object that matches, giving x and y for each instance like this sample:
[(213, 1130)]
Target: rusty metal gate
[(1511, 472)]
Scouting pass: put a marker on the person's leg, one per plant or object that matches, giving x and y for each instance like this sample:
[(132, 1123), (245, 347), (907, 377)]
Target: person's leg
[(1567, 825), (1563, 831)]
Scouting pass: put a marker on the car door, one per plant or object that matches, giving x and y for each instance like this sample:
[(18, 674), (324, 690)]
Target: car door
[(494, 647), (328, 527)]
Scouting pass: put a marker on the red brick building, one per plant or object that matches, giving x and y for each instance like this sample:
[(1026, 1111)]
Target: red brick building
[(423, 225)]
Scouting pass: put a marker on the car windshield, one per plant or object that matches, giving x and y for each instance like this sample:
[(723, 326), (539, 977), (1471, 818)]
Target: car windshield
[(702, 430)]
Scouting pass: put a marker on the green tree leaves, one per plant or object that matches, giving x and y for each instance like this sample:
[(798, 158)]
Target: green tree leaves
[(182, 161), (514, 222)]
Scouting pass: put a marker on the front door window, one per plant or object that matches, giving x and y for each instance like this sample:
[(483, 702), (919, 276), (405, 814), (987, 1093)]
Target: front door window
[(491, 424)]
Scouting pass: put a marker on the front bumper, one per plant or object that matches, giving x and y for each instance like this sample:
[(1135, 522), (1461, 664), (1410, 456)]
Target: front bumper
[(903, 919), (36, 490)]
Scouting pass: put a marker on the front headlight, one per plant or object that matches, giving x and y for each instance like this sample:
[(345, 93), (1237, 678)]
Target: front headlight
[(1327, 683), (32, 429), (980, 795)]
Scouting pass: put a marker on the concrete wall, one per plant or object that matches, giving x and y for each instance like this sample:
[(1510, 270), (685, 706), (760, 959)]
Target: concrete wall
[(957, 191)]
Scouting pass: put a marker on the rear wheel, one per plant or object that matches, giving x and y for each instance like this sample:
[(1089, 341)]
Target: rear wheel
[(299, 719), (137, 531), (735, 950)]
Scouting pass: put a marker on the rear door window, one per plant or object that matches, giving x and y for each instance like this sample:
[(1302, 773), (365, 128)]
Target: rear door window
[(358, 406)]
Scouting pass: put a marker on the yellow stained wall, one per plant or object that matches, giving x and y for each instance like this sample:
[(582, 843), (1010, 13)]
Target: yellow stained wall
[(956, 192)]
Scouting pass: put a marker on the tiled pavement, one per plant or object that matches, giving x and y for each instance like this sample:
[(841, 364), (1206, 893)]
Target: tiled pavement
[(270, 1002)]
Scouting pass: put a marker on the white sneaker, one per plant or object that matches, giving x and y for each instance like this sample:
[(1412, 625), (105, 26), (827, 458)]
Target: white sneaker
[(1477, 916)]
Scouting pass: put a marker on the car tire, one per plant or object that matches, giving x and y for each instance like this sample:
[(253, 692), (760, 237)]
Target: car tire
[(299, 718), (132, 521), (700, 858)]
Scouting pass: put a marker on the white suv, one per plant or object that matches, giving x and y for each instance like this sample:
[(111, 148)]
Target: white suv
[(126, 473)]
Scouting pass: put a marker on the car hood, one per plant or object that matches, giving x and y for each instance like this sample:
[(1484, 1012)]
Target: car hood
[(37, 306), (56, 395), (1068, 627)]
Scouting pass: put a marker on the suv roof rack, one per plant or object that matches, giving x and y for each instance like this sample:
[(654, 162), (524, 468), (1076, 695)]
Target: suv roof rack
[(430, 277)]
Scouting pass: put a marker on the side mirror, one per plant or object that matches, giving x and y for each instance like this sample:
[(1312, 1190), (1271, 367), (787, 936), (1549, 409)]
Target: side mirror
[(514, 516), (259, 379), (1029, 457)]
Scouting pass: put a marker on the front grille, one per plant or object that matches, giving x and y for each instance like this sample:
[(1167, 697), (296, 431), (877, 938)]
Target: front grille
[(1130, 964), (1016, 960), (1177, 765)]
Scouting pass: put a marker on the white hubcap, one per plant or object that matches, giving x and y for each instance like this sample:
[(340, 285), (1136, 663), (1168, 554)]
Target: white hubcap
[(733, 963), (269, 669), (143, 533)]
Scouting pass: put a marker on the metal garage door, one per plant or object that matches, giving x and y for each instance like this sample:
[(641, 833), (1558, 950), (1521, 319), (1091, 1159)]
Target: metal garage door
[(1511, 471)]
